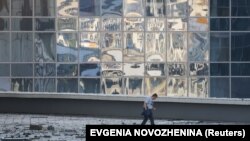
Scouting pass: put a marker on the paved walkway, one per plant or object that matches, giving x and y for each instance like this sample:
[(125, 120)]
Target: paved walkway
[(62, 128)]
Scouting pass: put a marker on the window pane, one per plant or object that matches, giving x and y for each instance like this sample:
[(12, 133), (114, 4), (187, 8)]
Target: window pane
[(45, 85), (112, 69), (4, 84), (90, 70), (219, 7), (134, 69), (67, 8), (177, 69), (45, 47), (4, 47), (67, 24), (21, 69), (90, 7), (177, 87), (67, 50), (177, 24), (112, 8), (67, 69), (45, 7), (5, 7), (198, 87), (155, 85), (155, 8), (219, 24), (67, 85), (133, 86), (112, 85), (240, 46), (89, 85), (219, 46), (22, 47), (240, 8), (240, 69), (89, 24), (198, 8), (45, 24), (155, 69), (240, 24), (21, 24), (198, 69), (177, 8), (111, 24), (133, 8), (4, 24), (21, 7), (134, 24), (198, 24), (111, 55), (155, 47), (134, 47), (219, 69), (155, 24), (219, 87), (45, 70), (4, 69), (90, 48), (22, 84), (177, 47), (198, 46), (240, 87)]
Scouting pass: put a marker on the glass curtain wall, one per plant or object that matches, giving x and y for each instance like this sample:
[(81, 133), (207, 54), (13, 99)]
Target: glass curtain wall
[(176, 48)]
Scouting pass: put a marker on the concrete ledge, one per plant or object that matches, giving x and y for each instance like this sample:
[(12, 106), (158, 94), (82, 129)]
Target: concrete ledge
[(231, 110)]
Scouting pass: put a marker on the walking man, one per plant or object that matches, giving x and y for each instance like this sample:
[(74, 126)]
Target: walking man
[(148, 106)]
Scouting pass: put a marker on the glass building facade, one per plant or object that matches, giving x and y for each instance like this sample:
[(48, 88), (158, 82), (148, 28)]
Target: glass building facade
[(176, 48)]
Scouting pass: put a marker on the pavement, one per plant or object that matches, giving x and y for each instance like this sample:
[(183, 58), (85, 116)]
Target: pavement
[(31, 127)]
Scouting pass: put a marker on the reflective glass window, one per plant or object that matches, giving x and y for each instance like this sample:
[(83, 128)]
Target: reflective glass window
[(112, 69), (155, 47), (177, 87), (67, 8), (67, 69), (133, 86), (5, 84), (134, 24), (5, 70), (198, 24), (198, 87), (240, 69), (219, 69), (45, 85), (240, 46), (67, 47), (177, 24), (134, 69), (219, 46), (21, 24), (21, 69), (89, 85), (21, 7), (45, 70), (67, 85), (45, 24), (240, 87), (67, 24), (4, 47), (90, 7), (133, 8), (240, 24), (112, 85), (90, 70), (45, 7), (177, 69), (155, 69), (240, 8), (4, 24), (45, 47), (111, 24), (156, 8), (177, 8), (89, 24), (198, 69), (22, 84), (155, 24), (219, 87), (198, 8), (22, 47), (155, 85), (219, 7), (112, 8), (4, 7)]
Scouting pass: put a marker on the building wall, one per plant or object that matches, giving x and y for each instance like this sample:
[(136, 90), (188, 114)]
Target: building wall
[(176, 48)]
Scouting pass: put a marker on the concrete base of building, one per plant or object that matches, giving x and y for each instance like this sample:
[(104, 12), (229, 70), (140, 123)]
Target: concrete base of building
[(221, 110)]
